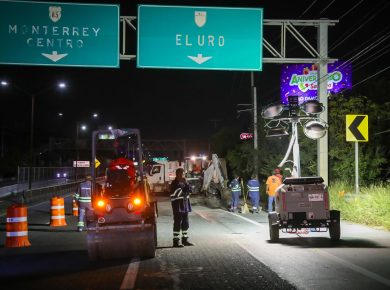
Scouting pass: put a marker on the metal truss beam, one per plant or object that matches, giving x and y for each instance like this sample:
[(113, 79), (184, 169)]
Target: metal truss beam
[(273, 53)]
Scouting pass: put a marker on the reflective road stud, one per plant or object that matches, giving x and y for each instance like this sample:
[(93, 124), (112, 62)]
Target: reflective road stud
[(57, 212), (17, 227)]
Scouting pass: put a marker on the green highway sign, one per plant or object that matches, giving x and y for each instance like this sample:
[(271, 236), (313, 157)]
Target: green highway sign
[(185, 37), (59, 34)]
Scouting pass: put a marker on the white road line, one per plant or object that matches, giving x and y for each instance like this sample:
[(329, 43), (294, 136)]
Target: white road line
[(131, 275), (354, 267), (338, 260), (244, 218)]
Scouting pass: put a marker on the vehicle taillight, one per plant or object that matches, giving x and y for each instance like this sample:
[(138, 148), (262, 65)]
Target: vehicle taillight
[(284, 201), (137, 201), (100, 203), (326, 200)]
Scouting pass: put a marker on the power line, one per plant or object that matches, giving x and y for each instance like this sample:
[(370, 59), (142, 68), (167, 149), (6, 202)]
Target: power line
[(373, 57), (327, 7), (307, 9), (370, 77), (374, 12), (346, 13), (367, 41)]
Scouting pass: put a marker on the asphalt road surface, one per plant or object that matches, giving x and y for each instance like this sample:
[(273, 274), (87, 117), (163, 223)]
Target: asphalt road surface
[(232, 251)]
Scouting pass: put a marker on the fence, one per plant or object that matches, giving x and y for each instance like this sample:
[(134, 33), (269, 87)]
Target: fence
[(49, 176)]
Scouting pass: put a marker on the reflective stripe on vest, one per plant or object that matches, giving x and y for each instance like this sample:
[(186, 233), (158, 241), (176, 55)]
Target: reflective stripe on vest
[(253, 188), (236, 188)]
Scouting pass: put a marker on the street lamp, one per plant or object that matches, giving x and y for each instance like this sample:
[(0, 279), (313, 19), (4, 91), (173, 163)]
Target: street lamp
[(60, 85), (79, 127)]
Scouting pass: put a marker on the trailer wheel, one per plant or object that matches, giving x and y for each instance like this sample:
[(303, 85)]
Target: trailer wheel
[(335, 231), (334, 226), (273, 232)]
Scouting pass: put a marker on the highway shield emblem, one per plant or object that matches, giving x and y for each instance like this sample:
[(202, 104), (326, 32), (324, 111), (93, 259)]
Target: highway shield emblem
[(200, 18)]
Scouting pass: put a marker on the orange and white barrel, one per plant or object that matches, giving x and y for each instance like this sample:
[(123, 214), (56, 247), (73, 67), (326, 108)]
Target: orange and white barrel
[(75, 208), (17, 227), (57, 212)]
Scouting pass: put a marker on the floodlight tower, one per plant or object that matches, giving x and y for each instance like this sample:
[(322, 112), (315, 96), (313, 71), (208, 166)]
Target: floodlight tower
[(281, 116)]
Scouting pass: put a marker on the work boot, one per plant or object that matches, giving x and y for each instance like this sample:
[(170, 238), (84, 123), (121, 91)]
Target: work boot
[(79, 229), (185, 242), (176, 243)]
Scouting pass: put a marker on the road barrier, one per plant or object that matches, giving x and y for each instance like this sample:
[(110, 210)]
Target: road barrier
[(57, 207), (17, 227)]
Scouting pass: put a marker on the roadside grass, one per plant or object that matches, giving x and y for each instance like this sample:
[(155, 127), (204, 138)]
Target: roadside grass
[(370, 207)]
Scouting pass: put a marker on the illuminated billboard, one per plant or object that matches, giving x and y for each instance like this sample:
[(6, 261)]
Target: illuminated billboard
[(301, 80)]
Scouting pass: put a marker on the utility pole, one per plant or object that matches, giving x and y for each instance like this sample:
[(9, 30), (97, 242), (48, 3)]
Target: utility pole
[(322, 91), (255, 144)]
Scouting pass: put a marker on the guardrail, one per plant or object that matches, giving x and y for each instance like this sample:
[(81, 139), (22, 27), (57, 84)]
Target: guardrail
[(37, 195)]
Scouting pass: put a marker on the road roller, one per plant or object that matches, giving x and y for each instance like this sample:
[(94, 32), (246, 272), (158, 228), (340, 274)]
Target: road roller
[(123, 220)]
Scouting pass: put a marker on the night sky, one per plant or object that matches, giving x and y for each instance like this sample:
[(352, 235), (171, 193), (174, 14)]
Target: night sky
[(179, 104)]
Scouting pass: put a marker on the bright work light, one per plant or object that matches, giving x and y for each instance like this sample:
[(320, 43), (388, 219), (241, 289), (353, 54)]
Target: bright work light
[(272, 111), (315, 129), (312, 107)]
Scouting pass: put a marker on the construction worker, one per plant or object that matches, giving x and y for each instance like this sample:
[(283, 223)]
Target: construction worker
[(273, 182), (181, 206), (236, 192), (253, 190), (83, 198)]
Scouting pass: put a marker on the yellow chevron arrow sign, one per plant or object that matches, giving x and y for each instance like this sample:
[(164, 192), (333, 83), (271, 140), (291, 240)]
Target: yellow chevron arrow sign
[(356, 128)]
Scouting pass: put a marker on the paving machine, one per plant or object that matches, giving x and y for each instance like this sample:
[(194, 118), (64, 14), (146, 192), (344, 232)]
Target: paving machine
[(123, 219), (303, 203)]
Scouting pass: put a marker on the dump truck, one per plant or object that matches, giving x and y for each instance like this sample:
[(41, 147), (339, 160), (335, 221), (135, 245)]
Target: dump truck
[(303, 203), (123, 219)]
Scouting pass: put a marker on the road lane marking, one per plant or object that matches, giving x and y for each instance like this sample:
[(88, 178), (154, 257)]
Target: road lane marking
[(131, 275), (345, 263), (354, 267), (244, 218)]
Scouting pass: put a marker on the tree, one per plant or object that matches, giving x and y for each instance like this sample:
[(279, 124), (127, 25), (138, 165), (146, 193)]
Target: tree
[(373, 155)]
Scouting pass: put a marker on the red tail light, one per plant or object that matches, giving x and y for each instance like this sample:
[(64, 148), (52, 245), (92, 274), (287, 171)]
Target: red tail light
[(100, 203), (137, 201)]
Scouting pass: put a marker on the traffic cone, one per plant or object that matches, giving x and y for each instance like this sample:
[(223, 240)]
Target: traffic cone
[(57, 212), (17, 227), (75, 208)]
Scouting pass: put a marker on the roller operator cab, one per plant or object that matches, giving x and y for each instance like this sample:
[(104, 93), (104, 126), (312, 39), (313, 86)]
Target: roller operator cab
[(123, 219), (303, 203)]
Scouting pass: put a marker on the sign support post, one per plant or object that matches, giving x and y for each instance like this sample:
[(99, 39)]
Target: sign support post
[(357, 167)]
